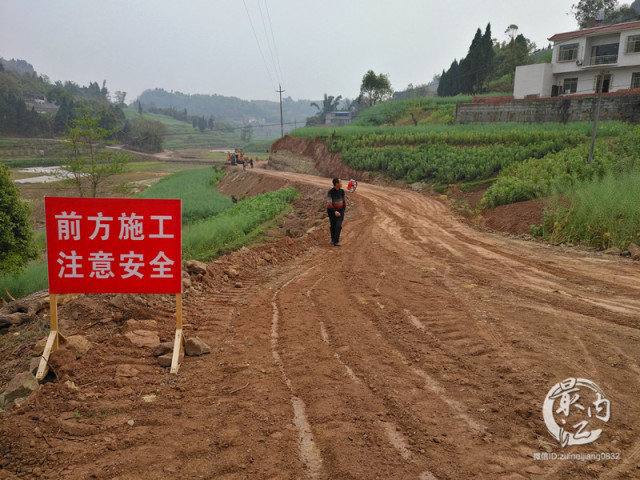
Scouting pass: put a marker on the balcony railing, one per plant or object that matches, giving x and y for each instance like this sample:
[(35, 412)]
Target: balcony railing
[(603, 59)]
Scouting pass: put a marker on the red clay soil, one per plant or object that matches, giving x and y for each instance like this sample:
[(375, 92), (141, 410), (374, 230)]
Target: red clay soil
[(516, 218), (423, 348), (326, 163)]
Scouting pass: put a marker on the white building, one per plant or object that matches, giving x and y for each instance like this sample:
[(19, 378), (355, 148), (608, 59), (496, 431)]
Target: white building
[(579, 58), (338, 118)]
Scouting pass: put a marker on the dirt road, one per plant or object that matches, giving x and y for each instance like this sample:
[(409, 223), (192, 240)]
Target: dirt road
[(420, 349)]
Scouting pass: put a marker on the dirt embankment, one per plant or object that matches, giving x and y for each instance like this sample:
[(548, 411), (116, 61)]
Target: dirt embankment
[(304, 155)]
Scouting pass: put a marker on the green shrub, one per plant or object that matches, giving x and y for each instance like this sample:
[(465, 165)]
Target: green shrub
[(555, 172), (17, 245)]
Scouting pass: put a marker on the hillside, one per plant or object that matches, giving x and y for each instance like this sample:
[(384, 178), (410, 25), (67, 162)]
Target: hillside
[(231, 109)]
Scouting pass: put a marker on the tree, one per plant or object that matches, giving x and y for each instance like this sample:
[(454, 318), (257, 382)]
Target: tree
[(139, 108), (626, 13), (449, 85), (17, 246), (120, 96), (586, 10), (487, 53), (374, 88), (88, 162), (202, 124), (512, 53), (471, 66), (146, 135), (329, 104)]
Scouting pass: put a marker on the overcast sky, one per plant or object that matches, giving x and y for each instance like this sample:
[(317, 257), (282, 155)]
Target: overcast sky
[(209, 46)]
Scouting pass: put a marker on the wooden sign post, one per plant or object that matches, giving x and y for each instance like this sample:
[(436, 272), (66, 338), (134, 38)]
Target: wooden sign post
[(113, 245)]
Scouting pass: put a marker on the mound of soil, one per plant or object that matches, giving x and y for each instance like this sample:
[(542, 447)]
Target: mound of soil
[(515, 218)]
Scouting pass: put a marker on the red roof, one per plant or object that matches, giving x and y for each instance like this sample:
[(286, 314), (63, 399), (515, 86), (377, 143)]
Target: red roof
[(595, 30)]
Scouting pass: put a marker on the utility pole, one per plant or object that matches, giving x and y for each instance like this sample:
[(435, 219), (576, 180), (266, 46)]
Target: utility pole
[(281, 122), (599, 83)]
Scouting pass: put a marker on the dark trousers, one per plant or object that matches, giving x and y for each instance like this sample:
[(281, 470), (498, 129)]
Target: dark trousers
[(336, 227)]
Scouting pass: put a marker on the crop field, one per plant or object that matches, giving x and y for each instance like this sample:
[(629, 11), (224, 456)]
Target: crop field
[(30, 152)]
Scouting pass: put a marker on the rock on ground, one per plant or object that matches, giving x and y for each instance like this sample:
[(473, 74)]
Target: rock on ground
[(143, 338), (194, 346), (78, 344), (196, 267), (20, 386)]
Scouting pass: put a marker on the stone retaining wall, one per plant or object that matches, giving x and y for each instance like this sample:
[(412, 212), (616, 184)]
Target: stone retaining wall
[(558, 109)]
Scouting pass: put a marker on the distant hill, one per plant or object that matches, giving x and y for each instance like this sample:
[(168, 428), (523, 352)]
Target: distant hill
[(230, 109), (21, 78)]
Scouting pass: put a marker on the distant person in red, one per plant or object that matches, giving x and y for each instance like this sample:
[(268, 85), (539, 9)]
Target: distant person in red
[(336, 204), (352, 185)]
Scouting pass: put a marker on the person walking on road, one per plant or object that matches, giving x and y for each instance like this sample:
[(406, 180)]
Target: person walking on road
[(336, 204)]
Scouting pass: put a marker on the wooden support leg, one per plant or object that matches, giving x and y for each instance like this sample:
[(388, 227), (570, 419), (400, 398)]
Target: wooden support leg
[(177, 351), (53, 342), (178, 344)]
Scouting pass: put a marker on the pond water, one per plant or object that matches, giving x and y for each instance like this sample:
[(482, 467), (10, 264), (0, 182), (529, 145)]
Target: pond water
[(50, 174)]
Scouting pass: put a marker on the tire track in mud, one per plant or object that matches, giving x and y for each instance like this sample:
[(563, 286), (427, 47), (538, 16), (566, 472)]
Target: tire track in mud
[(454, 282), (309, 453), (517, 270), (539, 277), (392, 432)]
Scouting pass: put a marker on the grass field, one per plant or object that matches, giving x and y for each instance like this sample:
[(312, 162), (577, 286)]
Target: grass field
[(196, 189)]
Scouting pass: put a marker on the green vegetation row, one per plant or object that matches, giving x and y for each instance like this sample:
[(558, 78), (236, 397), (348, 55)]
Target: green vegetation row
[(442, 163), (467, 134), (211, 221), (204, 240), (596, 204), (561, 138)]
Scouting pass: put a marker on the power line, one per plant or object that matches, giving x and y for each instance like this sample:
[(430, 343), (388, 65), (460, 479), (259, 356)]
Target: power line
[(258, 43), (264, 28), (273, 40), (231, 129)]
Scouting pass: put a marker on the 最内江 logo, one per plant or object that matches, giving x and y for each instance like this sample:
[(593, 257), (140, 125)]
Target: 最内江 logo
[(573, 409)]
